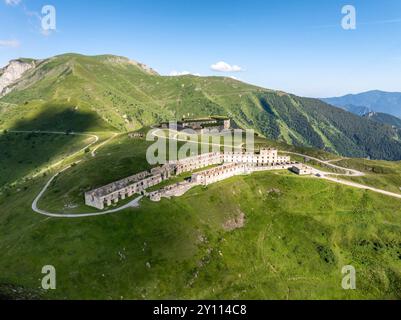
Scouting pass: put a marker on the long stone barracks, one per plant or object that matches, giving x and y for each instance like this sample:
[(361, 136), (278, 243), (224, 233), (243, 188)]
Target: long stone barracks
[(200, 125), (226, 165)]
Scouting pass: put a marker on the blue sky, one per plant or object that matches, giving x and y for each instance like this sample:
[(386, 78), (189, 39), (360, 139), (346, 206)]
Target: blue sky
[(292, 45)]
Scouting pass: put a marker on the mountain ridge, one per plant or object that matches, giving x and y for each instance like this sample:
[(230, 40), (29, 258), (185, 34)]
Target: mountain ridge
[(373, 100), (127, 96)]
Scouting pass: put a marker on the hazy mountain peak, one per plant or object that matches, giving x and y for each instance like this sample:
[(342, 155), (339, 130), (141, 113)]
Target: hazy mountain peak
[(374, 100)]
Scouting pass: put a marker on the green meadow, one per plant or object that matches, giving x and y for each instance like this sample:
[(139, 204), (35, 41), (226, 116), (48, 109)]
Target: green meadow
[(297, 235), (380, 174)]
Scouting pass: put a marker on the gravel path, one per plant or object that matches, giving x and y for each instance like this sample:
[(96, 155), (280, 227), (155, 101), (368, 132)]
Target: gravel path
[(133, 203)]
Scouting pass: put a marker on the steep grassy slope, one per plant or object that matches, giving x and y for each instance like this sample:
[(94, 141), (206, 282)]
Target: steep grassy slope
[(24, 154), (352, 135), (127, 96), (384, 175), (71, 115), (384, 118)]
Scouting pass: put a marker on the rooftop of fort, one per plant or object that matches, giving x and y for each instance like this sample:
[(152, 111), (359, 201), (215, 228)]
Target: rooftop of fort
[(200, 119), (218, 169), (211, 118), (120, 184), (256, 152)]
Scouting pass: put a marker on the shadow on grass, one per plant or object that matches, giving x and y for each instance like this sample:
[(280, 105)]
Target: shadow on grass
[(13, 292), (63, 117), (22, 153)]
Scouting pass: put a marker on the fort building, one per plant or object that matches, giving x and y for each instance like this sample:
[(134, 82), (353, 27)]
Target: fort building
[(166, 171), (113, 192), (226, 165), (301, 169), (266, 156), (200, 125), (174, 190), (136, 135), (219, 173), (198, 162), (229, 170)]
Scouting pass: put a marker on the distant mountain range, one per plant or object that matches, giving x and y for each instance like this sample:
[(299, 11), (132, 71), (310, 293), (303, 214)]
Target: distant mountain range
[(370, 101), (72, 92)]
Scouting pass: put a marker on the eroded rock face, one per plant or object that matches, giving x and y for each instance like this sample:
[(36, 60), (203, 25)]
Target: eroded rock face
[(12, 73)]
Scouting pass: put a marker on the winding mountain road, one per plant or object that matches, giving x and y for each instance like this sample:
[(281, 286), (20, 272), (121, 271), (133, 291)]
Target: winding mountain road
[(349, 172), (133, 203)]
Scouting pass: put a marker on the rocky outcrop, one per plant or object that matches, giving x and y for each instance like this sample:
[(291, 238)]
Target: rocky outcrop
[(124, 60), (11, 73), (144, 67)]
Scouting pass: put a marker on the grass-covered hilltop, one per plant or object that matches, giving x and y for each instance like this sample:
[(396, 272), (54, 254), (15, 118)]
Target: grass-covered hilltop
[(269, 235), (127, 95)]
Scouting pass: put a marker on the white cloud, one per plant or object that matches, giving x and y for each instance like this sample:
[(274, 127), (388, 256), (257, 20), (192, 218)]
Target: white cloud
[(9, 43), (175, 73), (13, 2), (222, 66)]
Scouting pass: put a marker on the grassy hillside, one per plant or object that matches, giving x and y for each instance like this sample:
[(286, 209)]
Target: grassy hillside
[(293, 244), (384, 175), (295, 240), (25, 154), (126, 96), (384, 118)]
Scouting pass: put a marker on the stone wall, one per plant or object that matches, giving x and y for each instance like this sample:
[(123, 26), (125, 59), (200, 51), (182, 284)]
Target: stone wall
[(113, 192), (219, 173), (229, 170), (198, 162), (174, 190)]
